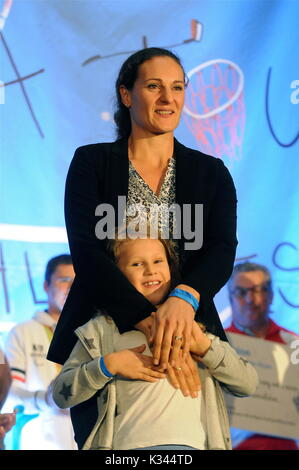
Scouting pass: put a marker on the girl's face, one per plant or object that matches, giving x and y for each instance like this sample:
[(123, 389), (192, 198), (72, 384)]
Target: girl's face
[(157, 98), (144, 263)]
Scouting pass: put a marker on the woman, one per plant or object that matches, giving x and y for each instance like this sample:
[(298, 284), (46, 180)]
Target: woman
[(150, 90)]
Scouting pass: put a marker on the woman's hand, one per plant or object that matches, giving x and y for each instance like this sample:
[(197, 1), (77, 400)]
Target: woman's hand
[(185, 376), (132, 364), (189, 383), (200, 343), (171, 331)]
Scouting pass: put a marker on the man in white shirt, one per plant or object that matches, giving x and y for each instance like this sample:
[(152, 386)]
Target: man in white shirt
[(32, 374)]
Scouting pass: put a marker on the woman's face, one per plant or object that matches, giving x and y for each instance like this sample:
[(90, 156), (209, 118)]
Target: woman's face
[(157, 98), (145, 265)]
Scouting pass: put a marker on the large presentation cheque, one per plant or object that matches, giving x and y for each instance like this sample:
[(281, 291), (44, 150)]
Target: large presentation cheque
[(274, 408)]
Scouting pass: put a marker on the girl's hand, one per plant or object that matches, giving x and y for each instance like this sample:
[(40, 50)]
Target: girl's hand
[(132, 364), (199, 343), (171, 331), (185, 376)]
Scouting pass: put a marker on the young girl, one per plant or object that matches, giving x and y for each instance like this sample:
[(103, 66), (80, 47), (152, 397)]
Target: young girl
[(137, 406)]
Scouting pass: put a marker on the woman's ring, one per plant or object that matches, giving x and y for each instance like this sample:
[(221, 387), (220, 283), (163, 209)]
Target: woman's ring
[(178, 338), (178, 368)]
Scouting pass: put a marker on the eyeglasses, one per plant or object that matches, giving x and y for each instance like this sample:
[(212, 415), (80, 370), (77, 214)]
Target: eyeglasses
[(242, 292)]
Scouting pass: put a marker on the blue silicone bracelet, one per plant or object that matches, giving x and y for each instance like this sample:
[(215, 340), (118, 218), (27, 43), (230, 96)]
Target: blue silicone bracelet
[(182, 294), (104, 368)]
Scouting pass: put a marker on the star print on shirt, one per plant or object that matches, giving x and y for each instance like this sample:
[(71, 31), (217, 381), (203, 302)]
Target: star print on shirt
[(66, 391), (89, 343)]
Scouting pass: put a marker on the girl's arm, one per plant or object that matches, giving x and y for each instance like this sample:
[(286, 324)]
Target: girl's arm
[(81, 377), (236, 374)]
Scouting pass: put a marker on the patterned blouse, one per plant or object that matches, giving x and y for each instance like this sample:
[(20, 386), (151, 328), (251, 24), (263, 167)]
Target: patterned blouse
[(147, 208)]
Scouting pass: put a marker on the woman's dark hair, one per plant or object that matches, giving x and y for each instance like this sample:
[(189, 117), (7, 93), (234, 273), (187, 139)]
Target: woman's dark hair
[(127, 77)]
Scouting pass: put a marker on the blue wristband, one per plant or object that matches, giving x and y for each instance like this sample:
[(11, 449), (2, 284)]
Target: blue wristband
[(104, 368), (182, 294)]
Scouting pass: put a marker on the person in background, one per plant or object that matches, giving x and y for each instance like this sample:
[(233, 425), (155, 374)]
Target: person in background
[(251, 295), (32, 374), (7, 420)]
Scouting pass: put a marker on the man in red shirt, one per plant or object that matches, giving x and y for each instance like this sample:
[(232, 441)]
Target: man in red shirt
[(251, 294)]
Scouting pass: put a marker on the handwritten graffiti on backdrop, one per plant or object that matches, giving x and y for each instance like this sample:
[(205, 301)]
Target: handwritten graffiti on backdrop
[(19, 79)]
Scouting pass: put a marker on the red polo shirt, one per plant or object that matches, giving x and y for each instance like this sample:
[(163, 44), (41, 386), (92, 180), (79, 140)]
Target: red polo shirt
[(260, 441), (273, 333)]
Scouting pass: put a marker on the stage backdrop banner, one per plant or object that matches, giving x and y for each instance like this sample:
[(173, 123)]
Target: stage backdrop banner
[(58, 64), (274, 408)]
